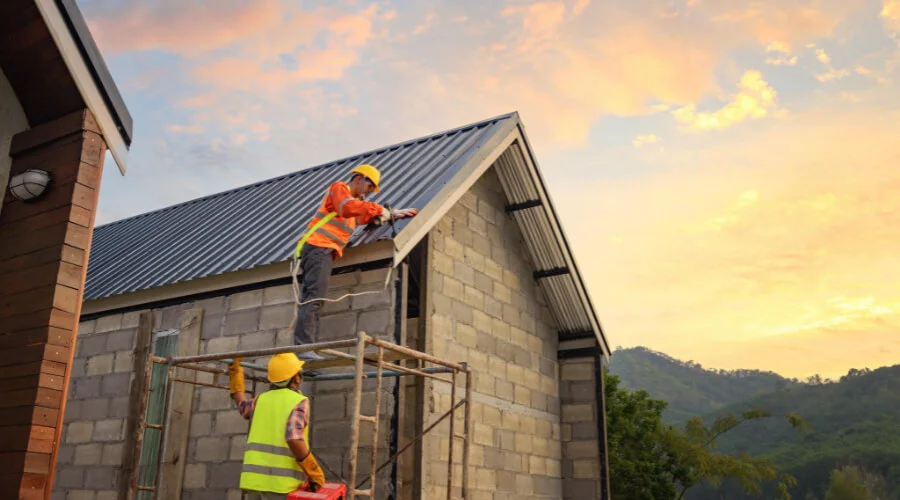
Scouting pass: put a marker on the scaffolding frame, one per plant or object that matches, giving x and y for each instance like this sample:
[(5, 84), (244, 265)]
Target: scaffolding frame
[(358, 358)]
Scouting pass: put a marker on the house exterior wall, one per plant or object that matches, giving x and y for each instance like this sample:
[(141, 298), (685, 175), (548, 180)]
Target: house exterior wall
[(580, 435), (12, 121), (486, 309), (96, 419)]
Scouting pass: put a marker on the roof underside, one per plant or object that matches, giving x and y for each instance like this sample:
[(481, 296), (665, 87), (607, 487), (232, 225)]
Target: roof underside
[(259, 224)]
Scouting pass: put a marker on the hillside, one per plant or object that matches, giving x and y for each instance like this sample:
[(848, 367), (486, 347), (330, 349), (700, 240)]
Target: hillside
[(854, 421), (689, 389)]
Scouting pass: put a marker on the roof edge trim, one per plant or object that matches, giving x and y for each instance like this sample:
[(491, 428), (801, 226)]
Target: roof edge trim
[(93, 82)]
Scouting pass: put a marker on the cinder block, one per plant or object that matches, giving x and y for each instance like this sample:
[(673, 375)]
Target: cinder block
[(87, 327), (485, 342), (94, 409), (212, 449), (369, 277), (484, 383), (118, 407), (243, 321), (278, 316), (238, 446), (88, 454), (194, 476), (454, 249), (245, 300), (506, 351), (79, 432), (580, 488), (213, 399), (109, 323), (465, 335), (442, 263), (122, 340), (473, 297), (522, 395), (100, 478), (329, 407), (525, 485), (65, 455), (213, 326), (278, 295), (222, 344), (523, 357), (100, 364), (375, 322), (484, 283), (576, 371), (124, 362), (474, 259), (109, 430), (91, 345), (230, 422), (482, 321), (462, 312), (581, 449), (258, 340), (201, 424), (464, 272), (483, 434), (477, 223), (224, 475), (113, 454), (452, 288), (537, 466), (577, 413), (584, 430), (116, 384), (80, 495), (338, 326), (503, 389), (511, 314), (107, 495), (497, 367)]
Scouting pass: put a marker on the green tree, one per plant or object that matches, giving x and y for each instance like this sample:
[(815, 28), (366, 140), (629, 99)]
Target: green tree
[(651, 460), (854, 483)]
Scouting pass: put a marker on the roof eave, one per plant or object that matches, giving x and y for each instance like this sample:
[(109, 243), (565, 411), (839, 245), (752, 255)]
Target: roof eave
[(91, 76)]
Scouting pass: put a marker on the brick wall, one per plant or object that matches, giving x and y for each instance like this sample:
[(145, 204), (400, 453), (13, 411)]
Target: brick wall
[(487, 310), (93, 439), (579, 432)]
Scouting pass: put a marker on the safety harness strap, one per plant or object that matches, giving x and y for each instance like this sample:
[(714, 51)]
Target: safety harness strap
[(313, 229)]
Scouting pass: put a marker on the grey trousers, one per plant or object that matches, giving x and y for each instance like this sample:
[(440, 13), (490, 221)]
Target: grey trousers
[(316, 263)]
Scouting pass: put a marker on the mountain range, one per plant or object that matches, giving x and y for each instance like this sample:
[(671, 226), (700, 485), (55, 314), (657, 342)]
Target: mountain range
[(854, 420)]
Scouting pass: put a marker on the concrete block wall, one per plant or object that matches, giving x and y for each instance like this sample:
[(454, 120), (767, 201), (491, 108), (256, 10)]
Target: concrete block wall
[(93, 441), (580, 435), (91, 455), (487, 310)]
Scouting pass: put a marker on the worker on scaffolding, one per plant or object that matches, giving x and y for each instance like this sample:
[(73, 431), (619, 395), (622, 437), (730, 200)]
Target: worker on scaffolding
[(278, 443), (343, 208)]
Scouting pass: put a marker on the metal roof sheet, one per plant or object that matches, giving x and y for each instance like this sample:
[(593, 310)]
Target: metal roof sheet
[(258, 224)]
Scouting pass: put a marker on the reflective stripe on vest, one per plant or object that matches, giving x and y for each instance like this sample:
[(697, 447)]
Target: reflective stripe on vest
[(269, 465)]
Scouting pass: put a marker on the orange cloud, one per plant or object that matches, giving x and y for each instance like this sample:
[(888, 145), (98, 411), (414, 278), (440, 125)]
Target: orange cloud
[(756, 99), (775, 241), (890, 13)]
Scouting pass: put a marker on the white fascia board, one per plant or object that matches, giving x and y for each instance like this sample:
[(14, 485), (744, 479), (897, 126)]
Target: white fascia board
[(474, 168), (78, 68)]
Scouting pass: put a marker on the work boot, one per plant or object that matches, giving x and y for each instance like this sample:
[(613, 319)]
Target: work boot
[(309, 356)]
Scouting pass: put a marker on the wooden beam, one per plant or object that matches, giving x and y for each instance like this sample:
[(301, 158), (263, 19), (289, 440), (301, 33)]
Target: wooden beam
[(178, 427), (141, 352)]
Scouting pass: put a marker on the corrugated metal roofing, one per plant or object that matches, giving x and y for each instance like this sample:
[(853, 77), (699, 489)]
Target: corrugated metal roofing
[(259, 224)]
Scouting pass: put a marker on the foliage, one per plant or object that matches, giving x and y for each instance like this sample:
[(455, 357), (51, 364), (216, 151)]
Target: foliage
[(850, 422), (853, 483), (687, 387), (651, 460)]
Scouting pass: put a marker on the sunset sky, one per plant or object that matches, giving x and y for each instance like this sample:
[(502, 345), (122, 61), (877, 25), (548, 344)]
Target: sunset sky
[(728, 172)]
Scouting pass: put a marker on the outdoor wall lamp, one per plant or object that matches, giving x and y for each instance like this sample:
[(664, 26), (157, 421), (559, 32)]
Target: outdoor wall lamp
[(30, 184)]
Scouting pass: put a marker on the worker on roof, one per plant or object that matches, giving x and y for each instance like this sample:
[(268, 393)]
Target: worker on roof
[(343, 208), (278, 444)]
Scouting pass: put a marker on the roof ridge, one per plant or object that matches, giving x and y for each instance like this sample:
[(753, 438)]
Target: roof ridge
[(314, 168)]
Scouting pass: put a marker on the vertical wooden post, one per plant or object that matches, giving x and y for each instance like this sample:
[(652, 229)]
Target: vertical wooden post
[(44, 248), (138, 387), (178, 426)]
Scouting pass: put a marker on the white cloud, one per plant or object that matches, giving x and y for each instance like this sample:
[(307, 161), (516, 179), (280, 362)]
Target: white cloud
[(755, 99), (644, 139)]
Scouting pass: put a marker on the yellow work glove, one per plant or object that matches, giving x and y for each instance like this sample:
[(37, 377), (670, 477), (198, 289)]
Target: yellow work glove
[(313, 472), (236, 376)]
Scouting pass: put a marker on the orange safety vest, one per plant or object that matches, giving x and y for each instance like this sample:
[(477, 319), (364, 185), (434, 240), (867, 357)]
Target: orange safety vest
[(328, 228)]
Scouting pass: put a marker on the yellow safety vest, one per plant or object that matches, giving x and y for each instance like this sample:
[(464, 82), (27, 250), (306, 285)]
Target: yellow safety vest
[(269, 465)]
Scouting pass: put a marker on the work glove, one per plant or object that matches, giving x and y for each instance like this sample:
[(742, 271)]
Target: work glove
[(236, 376), (406, 212), (313, 472)]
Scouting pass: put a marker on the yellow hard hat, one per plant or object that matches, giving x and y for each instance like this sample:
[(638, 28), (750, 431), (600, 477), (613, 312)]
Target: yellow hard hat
[(284, 366), (369, 172)]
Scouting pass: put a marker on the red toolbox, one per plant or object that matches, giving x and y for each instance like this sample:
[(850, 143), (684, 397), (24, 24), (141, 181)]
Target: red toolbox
[(329, 491)]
